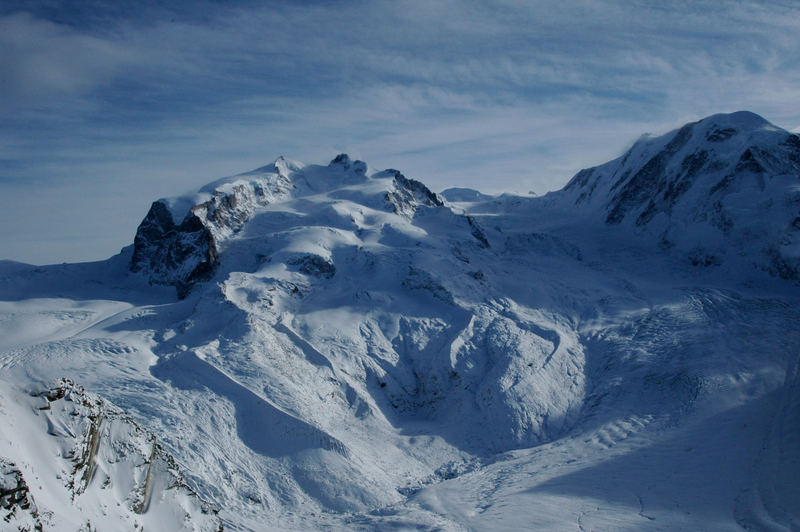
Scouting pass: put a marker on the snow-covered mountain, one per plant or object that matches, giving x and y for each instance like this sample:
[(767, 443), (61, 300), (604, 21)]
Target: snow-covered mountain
[(335, 347), (726, 185)]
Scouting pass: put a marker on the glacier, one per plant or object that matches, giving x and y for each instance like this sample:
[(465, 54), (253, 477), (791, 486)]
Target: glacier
[(335, 347)]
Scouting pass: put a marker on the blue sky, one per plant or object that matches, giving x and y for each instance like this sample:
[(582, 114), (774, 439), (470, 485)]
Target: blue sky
[(105, 107)]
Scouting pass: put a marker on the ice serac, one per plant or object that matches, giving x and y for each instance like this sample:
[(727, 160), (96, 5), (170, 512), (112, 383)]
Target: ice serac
[(721, 187)]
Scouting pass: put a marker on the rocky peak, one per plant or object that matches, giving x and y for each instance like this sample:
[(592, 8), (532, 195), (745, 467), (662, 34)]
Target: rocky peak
[(283, 166), (171, 254), (728, 176), (343, 161), (183, 254), (406, 195), (179, 241), (656, 172)]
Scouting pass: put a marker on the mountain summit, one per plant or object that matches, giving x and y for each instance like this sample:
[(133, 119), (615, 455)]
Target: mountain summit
[(178, 246), (350, 350), (721, 186)]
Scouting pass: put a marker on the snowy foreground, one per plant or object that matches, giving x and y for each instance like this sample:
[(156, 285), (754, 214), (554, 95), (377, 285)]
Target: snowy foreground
[(308, 347)]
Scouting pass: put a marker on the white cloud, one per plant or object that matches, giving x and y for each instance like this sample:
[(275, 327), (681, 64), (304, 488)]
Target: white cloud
[(497, 95), (42, 59)]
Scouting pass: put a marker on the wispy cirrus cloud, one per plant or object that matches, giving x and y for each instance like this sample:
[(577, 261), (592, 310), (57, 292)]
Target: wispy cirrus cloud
[(42, 59), (108, 106)]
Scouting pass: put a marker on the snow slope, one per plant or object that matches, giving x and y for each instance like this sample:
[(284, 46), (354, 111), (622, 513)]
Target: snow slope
[(333, 347), (78, 463), (723, 186)]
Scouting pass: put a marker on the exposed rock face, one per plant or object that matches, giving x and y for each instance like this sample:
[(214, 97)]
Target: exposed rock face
[(101, 470), (314, 265), (408, 194), (174, 254), (651, 182), (17, 508), (477, 231), (110, 449), (183, 254), (727, 181), (343, 160)]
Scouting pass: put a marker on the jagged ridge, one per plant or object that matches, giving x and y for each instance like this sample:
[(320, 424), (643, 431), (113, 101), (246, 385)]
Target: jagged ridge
[(181, 254), (362, 341), (107, 459), (725, 185)]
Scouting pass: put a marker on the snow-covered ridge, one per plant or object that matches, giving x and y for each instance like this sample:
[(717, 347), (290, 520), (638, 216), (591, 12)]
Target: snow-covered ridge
[(182, 253), (725, 186), (351, 351), (105, 472)]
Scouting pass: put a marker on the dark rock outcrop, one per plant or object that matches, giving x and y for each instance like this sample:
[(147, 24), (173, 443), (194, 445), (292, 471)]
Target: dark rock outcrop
[(105, 446), (343, 160), (184, 254), (651, 180), (408, 194), (314, 265), (178, 255), (16, 502)]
